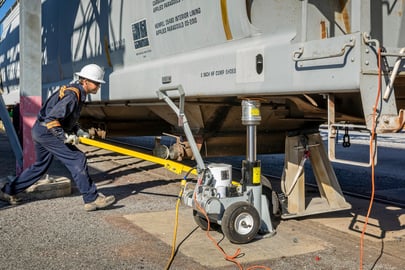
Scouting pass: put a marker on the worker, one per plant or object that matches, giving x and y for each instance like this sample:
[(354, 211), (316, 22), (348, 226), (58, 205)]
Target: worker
[(55, 134)]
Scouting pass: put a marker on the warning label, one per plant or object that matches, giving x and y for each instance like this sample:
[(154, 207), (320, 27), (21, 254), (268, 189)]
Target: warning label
[(159, 5), (179, 21)]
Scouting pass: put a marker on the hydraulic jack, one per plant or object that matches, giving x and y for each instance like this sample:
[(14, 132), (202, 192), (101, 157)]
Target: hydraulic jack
[(241, 210)]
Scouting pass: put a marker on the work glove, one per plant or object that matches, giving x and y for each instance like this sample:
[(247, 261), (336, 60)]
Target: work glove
[(71, 139), (82, 133), (58, 133)]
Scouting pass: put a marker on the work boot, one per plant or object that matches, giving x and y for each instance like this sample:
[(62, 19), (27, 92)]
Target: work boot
[(99, 203), (11, 199), (4, 196)]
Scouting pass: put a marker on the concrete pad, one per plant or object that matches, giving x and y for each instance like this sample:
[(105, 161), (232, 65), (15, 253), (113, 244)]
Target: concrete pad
[(288, 241), (385, 222)]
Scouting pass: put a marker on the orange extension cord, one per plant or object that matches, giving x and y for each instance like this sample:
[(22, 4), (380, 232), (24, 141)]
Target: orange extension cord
[(226, 256), (372, 154)]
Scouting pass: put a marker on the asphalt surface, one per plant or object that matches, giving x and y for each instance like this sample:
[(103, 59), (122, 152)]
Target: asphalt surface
[(58, 234)]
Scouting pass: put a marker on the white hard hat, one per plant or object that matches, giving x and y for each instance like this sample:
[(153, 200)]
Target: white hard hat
[(92, 72)]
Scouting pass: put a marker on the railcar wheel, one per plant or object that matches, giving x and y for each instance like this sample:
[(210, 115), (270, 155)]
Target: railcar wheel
[(240, 222), (272, 198)]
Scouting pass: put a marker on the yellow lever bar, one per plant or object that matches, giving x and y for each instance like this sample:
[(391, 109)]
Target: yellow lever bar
[(168, 164)]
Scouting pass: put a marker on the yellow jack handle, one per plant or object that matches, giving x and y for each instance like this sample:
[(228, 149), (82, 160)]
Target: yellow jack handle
[(170, 165)]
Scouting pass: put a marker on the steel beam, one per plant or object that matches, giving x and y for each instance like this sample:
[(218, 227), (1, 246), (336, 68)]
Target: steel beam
[(30, 70)]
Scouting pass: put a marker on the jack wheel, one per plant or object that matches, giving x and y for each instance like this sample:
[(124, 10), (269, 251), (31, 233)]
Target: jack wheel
[(240, 222), (201, 221)]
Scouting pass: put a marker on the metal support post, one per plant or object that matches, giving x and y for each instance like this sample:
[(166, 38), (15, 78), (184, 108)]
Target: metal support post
[(310, 147), (251, 170), (30, 68)]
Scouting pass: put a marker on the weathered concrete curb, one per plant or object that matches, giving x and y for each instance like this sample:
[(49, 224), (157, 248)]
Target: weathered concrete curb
[(50, 187)]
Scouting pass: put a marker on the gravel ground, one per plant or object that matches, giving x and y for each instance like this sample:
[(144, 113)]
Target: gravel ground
[(58, 234)]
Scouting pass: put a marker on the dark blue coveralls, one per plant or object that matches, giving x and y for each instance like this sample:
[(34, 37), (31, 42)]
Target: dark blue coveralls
[(59, 115)]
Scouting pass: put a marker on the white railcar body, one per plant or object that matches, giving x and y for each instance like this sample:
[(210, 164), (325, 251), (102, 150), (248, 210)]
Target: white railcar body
[(289, 54)]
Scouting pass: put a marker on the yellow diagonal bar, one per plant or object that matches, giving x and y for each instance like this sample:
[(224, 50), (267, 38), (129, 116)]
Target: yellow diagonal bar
[(170, 165), (225, 20)]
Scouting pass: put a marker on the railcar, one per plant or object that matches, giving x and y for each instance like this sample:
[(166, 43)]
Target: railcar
[(308, 62)]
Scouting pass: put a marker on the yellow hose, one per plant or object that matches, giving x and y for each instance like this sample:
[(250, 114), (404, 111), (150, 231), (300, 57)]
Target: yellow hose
[(176, 223)]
